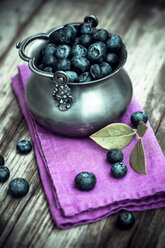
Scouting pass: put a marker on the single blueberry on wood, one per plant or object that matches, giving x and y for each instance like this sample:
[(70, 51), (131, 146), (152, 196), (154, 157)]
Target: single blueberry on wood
[(97, 52), (112, 58), (105, 68), (49, 61), (24, 147), (73, 76), (2, 161), (48, 49), (4, 173), (96, 71), (86, 28), (138, 116), (101, 35), (118, 170), (80, 64), (63, 51), (18, 187), (114, 43), (79, 50), (125, 220), (63, 65), (85, 181), (115, 155), (85, 40), (84, 77)]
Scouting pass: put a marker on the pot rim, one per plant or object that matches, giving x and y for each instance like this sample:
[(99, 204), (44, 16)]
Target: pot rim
[(46, 36)]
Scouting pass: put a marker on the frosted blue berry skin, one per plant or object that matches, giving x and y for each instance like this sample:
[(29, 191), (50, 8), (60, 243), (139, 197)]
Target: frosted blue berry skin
[(138, 116), (41, 67), (80, 64), (73, 30), (4, 174), (85, 181), (63, 65), (114, 43), (18, 187), (2, 161), (78, 50), (112, 59), (48, 49), (48, 69), (118, 170), (96, 71), (49, 61), (73, 76), (101, 35), (125, 220), (85, 40), (63, 51), (97, 52), (106, 69), (85, 77), (64, 35), (24, 147), (114, 156), (86, 28)]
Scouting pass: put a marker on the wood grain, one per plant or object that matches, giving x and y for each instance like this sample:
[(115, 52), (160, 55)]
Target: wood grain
[(27, 222)]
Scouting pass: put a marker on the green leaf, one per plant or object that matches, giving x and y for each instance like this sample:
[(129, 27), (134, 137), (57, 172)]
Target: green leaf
[(141, 129), (137, 158), (116, 135)]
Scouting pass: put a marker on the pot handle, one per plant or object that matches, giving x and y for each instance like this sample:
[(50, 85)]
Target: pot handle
[(22, 45)]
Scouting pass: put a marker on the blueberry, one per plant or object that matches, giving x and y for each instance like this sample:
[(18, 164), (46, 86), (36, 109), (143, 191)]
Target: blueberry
[(76, 41), (86, 28), (63, 65), (105, 68), (48, 49), (2, 161), (48, 69), (125, 220), (63, 51), (64, 35), (138, 116), (41, 67), (84, 77), (101, 35), (4, 173), (85, 40), (79, 50), (114, 43), (118, 170), (49, 61), (112, 58), (85, 181), (97, 52), (24, 147), (80, 64), (18, 187), (96, 71), (72, 28), (73, 76), (115, 155)]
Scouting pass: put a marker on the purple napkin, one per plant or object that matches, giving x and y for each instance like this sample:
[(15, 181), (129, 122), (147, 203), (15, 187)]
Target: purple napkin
[(60, 159)]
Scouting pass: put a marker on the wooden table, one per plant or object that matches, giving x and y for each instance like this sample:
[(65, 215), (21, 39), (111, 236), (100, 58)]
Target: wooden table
[(27, 222)]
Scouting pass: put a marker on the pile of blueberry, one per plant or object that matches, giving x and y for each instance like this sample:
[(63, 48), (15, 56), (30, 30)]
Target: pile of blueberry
[(82, 52), (18, 187)]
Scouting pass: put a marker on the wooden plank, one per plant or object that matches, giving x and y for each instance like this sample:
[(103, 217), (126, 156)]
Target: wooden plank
[(14, 15), (27, 222)]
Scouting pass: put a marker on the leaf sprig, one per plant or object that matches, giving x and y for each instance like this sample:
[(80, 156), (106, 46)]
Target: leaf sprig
[(119, 135)]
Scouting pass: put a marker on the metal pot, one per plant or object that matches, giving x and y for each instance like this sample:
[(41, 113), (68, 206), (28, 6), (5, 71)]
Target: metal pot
[(89, 106)]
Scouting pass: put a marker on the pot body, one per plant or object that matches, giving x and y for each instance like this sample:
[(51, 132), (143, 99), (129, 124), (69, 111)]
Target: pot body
[(95, 104)]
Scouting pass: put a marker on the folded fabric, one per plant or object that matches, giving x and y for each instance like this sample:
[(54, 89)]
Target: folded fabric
[(60, 159)]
